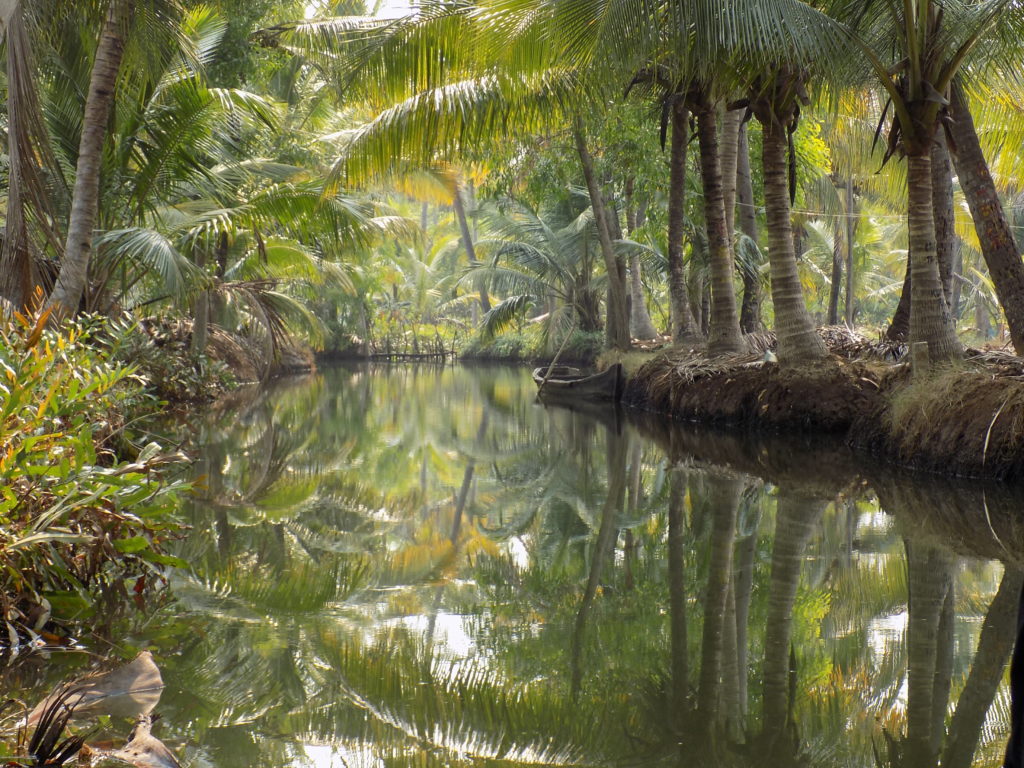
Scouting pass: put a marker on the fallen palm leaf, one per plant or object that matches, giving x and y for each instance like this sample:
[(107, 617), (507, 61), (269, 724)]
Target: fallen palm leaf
[(127, 691)]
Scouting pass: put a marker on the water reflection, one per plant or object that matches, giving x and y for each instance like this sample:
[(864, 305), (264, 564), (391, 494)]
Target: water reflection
[(417, 565)]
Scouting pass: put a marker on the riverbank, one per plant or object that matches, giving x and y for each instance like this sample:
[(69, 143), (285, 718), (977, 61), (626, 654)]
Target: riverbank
[(962, 420)]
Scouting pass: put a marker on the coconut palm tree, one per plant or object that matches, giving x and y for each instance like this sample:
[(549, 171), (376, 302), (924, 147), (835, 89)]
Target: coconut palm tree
[(915, 51), (543, 260), (31, 223), (499, 77), (70, 285), (776, 102), (796, 519), (998, 245)]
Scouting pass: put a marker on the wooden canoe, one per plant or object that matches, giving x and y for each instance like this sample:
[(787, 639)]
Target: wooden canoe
[(565, 382)]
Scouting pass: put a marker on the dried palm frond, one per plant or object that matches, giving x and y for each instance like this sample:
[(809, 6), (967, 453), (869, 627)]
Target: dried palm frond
[(47, 747), (30, 221)]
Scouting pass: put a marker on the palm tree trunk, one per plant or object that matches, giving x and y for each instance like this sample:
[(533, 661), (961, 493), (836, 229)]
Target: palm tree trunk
[(730, 669), (958, 273), (74, 269), (750, 310), (945, 240), (723, 502), (731, 124), (851, 232), (930, 320), (835, 284), (640, 323), (467, 243), (998, 245), (1015, 747), (942, 680), (201, 319), (994, 646), (796, 518), (899, 326), (677, 593), (746, 552), (942, 213), (617, 328), (684, 327), (798, 340), (603, 547), (724, 326), (928, 581)]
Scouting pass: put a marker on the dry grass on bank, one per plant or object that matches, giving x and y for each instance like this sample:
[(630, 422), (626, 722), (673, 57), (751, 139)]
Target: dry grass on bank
[(967, 419)]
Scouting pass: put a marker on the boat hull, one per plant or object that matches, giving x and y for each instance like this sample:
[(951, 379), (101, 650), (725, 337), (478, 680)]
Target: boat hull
[(569, 383)]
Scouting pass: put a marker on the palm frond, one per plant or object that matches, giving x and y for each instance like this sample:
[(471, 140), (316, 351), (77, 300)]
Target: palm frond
[(503, 314)]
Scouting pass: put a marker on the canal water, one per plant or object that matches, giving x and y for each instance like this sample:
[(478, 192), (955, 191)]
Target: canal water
[(425, 566)]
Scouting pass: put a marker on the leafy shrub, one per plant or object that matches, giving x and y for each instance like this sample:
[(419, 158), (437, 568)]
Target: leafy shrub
[(75, 520), (161, 353)]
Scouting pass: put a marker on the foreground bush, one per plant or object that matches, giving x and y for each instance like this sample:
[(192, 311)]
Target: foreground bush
[(77, 522)]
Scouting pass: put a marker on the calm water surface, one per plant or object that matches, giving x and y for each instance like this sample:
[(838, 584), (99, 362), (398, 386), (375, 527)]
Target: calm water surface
[(423, 566)]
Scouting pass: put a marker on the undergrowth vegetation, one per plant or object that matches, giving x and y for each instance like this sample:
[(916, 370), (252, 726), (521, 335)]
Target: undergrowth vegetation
[(958, 419), (85, 507), (530, 343)]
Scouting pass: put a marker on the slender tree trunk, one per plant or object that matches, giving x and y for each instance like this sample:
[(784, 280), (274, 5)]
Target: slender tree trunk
[(467, 243), (746, 552), (74, 269), (798, 340), (942, 213), (705, 304), (1014, 757), (997, 242), (796, 519), (958, 274), (617, 328), (731, 124), (836, 284), (928, 581), (723, 501), (994, 647), (615, 233), (201, 320), (750, 310), (724, 326), (633, 501), (617, 452), (944, 659), (639, 319), (677, 594), (851, 234), (899, 326), (730, 669), (945, 232), (982, 318), (684, 327), (929, 316)]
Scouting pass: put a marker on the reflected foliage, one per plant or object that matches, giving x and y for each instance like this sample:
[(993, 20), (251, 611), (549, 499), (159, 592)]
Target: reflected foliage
[(415, 565)]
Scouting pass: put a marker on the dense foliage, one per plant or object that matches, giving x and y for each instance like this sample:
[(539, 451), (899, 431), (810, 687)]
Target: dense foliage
[(78, 522)]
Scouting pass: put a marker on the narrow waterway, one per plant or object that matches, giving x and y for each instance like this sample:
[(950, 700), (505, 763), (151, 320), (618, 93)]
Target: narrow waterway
[(425, 566)]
